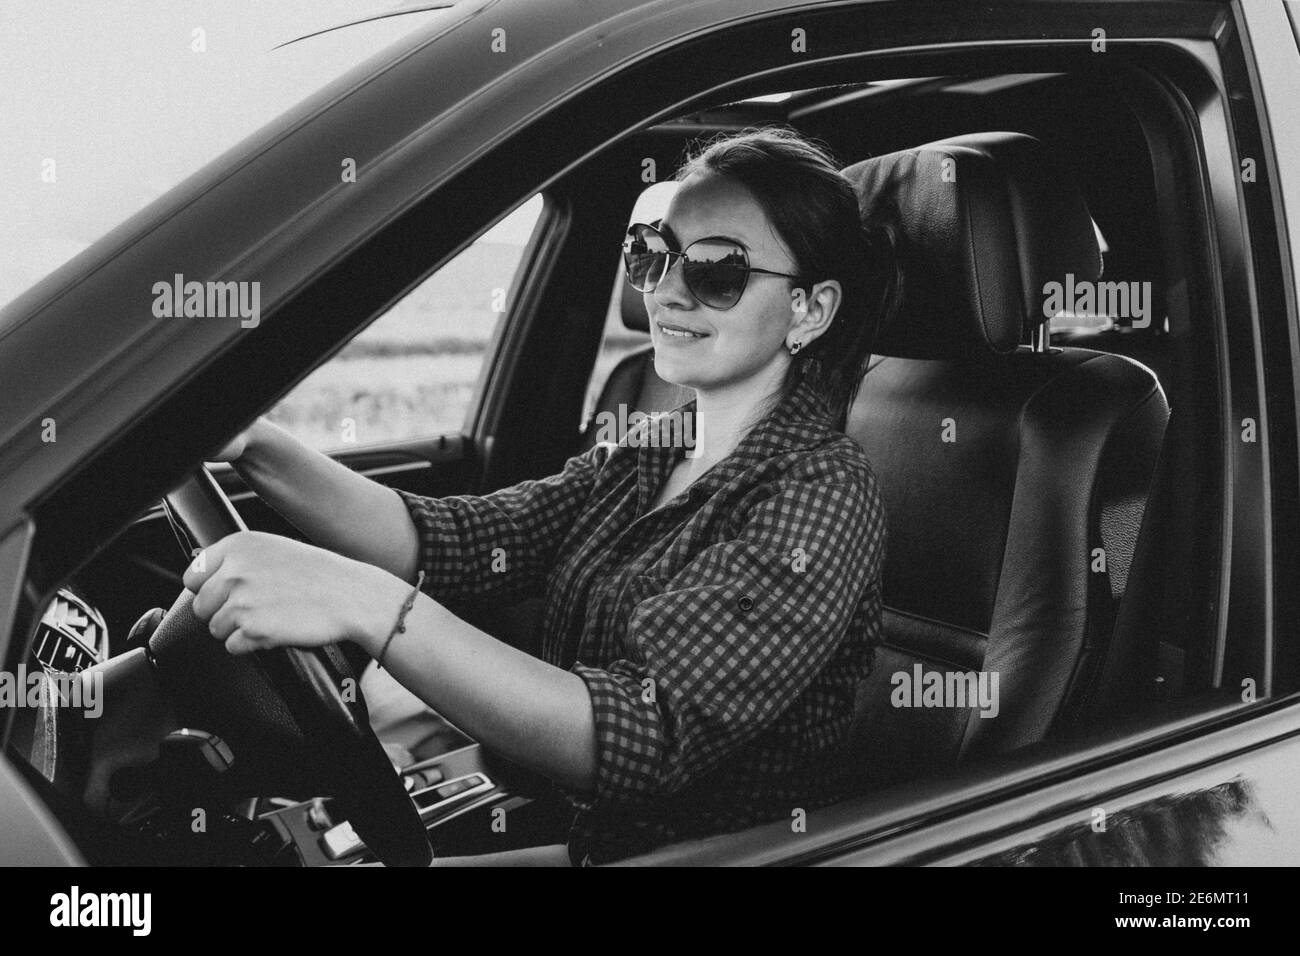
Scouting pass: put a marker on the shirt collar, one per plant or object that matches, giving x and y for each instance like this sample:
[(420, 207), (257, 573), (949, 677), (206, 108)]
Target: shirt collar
[(800, 419)]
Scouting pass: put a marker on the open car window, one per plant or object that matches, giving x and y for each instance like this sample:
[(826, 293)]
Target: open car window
[(413, 372)]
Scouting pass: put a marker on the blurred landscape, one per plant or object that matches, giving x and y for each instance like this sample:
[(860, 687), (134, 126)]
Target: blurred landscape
[(413, 372)]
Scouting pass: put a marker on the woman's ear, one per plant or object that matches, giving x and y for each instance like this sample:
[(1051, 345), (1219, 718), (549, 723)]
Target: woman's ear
[(812, 311)]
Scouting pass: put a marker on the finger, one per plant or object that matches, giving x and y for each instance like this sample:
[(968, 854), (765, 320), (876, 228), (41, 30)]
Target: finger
[(204, 564), (225, 621), (212, 596), (241, 643)]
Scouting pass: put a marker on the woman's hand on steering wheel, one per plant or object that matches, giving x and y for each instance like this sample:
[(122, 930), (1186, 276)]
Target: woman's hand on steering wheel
[(296, 705), (257, 591)]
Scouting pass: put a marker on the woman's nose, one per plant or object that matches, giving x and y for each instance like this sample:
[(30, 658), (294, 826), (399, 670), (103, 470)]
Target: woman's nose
[(671, 290)]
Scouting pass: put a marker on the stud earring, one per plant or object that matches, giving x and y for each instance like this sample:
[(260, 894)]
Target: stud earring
[(794, 349)]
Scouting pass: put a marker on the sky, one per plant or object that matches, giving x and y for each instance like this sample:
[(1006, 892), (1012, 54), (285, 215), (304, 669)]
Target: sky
[(114, 93)]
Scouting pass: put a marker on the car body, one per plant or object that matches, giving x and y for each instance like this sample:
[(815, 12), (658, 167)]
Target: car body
[(448, 136)]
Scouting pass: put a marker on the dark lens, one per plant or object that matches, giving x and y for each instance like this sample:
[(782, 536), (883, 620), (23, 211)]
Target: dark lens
[(644, 269), (644, 257), (716, 272)]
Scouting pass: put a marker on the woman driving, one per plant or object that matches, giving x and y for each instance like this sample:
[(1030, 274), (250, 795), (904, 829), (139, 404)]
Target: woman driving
[(708, 613)]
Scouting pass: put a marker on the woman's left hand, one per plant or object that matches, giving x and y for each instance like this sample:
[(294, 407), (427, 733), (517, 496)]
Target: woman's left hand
[(257, 591)]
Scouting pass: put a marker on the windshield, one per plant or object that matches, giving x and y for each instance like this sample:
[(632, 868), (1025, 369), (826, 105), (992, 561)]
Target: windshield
[(108, 106)]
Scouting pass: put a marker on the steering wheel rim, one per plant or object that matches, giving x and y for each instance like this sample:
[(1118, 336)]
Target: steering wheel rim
[(311, 687)]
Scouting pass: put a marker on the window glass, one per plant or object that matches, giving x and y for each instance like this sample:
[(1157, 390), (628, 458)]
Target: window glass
[(412, 372)]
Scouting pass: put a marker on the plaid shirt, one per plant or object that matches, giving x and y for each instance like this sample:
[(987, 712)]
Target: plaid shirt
[(721, 636)]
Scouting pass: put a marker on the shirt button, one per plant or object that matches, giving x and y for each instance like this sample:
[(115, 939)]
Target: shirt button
[(745, 603)]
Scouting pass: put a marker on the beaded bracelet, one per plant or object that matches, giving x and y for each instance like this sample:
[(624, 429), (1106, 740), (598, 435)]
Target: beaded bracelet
[(400, 626)]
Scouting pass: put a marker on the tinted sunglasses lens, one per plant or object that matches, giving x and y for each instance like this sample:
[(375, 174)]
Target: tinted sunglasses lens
[(644, 258), (716, 273)]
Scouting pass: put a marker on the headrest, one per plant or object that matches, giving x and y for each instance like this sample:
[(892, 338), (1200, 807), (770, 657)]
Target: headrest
[(983, 223)]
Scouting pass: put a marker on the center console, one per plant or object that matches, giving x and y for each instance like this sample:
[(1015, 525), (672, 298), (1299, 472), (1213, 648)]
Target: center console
[(463, 803)]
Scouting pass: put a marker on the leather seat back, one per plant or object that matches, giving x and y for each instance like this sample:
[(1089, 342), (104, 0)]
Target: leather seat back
[(1014, 480)]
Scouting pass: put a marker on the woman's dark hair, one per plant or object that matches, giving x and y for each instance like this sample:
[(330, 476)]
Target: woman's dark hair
[(815, 212)]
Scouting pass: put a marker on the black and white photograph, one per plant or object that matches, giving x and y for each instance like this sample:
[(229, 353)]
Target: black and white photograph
[(651, 434)]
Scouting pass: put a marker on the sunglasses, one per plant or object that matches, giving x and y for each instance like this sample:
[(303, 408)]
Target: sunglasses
[(716, 271)]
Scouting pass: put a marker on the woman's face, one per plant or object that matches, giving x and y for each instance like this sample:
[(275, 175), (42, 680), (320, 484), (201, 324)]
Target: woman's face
[(749, 338)]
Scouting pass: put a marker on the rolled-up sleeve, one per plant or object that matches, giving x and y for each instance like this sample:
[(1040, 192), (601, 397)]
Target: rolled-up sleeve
[(735, 637), (501, 544)]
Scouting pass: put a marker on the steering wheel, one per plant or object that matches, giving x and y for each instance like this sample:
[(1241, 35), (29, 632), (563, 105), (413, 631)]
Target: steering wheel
[(298, 713)]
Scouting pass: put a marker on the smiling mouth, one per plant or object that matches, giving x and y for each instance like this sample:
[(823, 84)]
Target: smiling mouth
[(677, 332)]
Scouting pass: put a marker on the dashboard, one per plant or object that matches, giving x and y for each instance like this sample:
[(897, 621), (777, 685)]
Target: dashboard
[(134, 786)]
